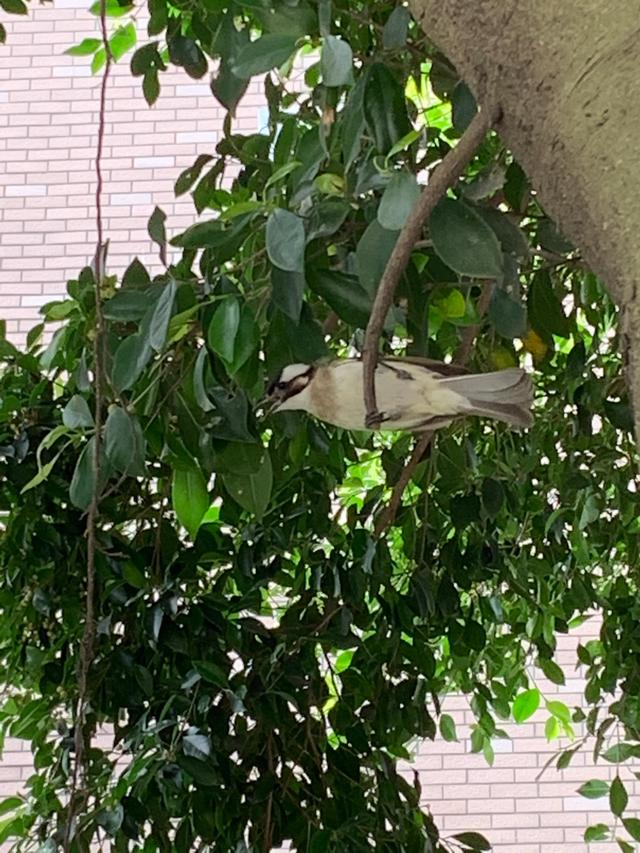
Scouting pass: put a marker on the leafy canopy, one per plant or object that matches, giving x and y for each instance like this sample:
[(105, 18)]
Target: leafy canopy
[(263, 661)]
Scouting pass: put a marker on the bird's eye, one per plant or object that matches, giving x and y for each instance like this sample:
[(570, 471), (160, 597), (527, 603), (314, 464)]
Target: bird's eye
[(281, 386)]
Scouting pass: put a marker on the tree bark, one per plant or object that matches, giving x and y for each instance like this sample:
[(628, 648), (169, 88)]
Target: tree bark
[(566, 76)]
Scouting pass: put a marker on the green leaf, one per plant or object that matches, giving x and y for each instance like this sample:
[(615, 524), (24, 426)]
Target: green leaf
[(157, 17), (632, 825), (618, 797), (223, 328), (620, 752), (398, 200), (113, 9), (473, 840), (129, 361), (336, 62), (247, 339), (464, 241), (14, 7), (566, 758), (525, 705), (551, 239), (559, 710), (199, 388), (594, 789), (396, 28), (320, 841), (98, 61), (135, 275), (146, 58), (448, 728), (285, 240), (76, 414), (85, 48), (551, 729), (281, 173), (10, 804), (157, 232), (122, 41), (287, 291), (133, 576), (385, 107), (507, 316), (625, 846), (474, 635), (188, 177), (343, 293), (42, 474), (110, 819), (212, 672), (545, 311), (353, 124), (372, 253), (227, 87), (84, 477), (510, 236), (552, 671), (451, 304), (326, 218), (197, 746), (3, 34), (492, 496), (190, 498), (151, 86), (252, 491), (343, 661), (597, 832), (463, 107), (186, 53), (160, 316), (124, 442), (260, 56), (126, 306), (619, 414)]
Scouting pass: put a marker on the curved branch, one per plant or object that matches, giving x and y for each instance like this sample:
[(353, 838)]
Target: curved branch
[(444, 176)]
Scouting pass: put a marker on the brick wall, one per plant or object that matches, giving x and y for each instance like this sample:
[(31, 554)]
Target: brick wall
[(48, 110), (48, 129)]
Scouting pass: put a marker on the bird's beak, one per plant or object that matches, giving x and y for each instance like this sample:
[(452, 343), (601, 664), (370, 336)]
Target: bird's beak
[(268, 405)]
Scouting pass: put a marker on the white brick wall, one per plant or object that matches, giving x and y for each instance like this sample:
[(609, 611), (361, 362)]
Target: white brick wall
[(48, 110)]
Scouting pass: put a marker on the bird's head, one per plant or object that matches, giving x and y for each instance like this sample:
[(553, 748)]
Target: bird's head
[(284, 391)]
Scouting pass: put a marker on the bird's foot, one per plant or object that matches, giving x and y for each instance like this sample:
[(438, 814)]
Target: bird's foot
[(374, 419)]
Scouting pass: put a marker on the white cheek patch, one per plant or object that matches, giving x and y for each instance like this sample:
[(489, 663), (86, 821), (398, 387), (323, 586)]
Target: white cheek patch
[(293, 371)]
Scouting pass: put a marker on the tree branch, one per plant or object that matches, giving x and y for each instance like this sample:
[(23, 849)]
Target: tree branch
[(388, 515), (79, 794), (444, 176)]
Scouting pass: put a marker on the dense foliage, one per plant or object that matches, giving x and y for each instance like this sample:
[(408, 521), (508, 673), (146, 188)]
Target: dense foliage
[(263, 661)]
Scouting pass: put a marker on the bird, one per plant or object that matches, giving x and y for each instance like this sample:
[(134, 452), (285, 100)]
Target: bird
[(413, 394)]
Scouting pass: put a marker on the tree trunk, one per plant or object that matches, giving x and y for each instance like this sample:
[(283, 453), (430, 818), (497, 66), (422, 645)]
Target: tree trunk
[(566, 76)]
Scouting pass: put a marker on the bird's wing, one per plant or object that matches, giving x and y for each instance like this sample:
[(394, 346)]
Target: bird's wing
[(439, 367)]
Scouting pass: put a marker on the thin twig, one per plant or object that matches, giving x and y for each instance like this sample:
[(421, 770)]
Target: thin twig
[(389, 513), (443, 177), (79, 794)]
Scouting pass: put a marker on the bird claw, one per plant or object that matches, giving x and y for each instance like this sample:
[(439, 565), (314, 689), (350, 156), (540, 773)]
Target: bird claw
[(374, 419)]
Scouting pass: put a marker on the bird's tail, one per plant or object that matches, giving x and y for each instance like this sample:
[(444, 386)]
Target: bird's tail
[(505, 395)]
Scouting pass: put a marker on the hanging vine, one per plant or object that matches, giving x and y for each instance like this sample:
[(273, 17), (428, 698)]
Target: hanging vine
[(80, 785)]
